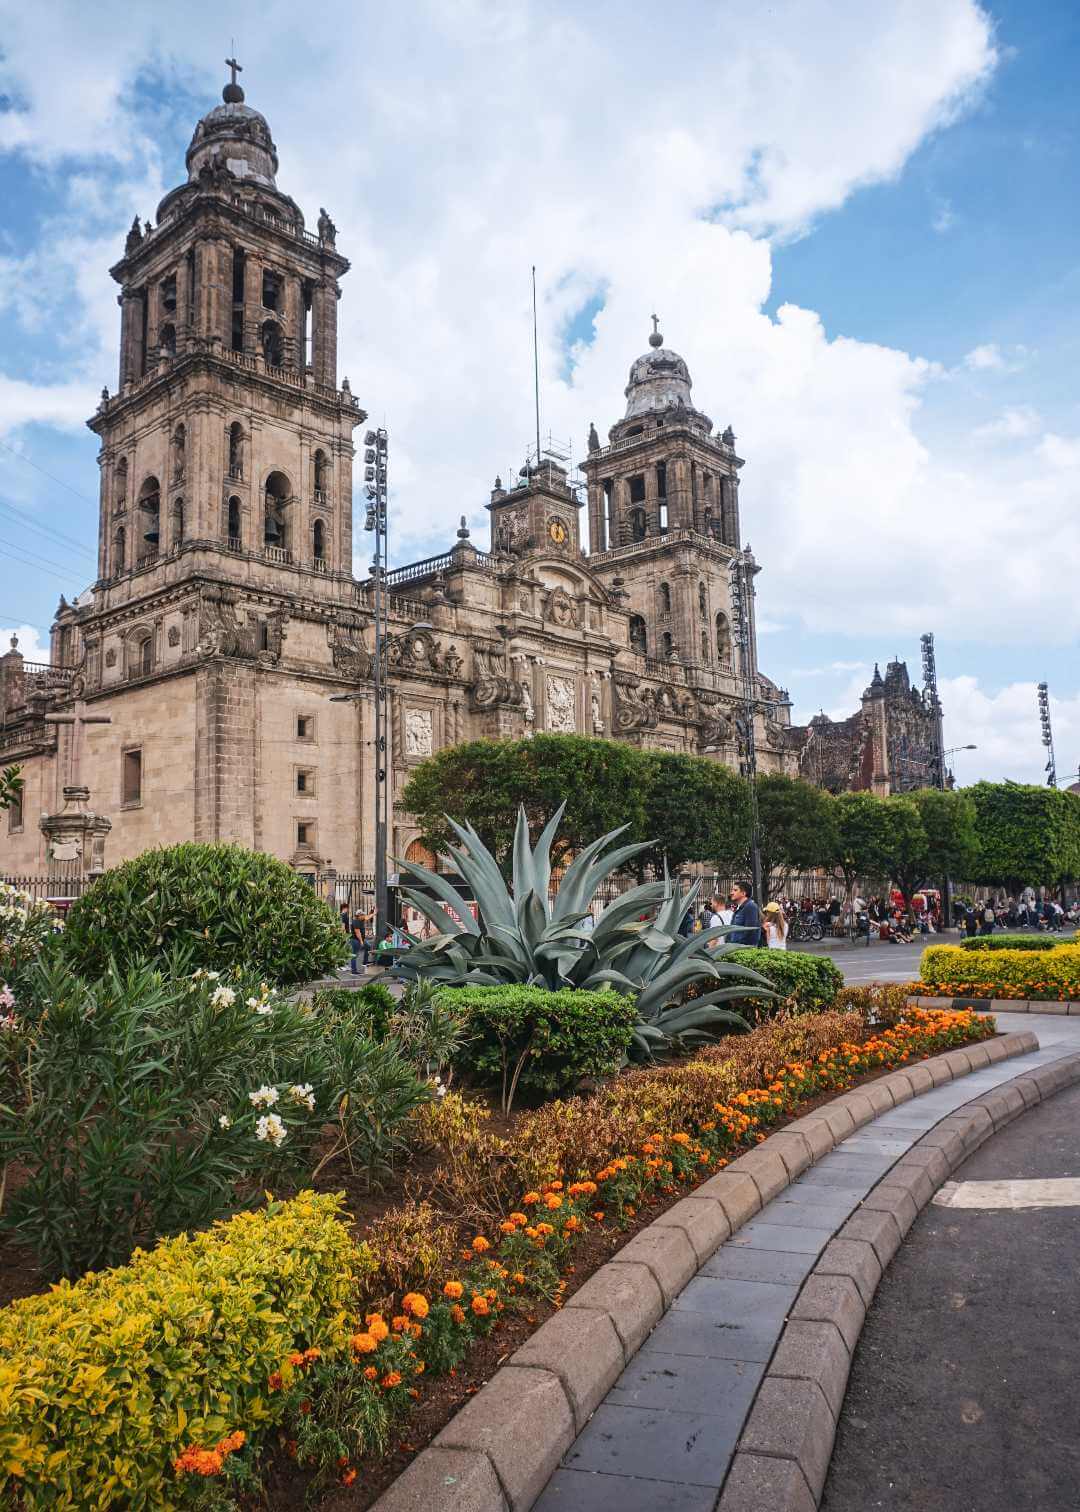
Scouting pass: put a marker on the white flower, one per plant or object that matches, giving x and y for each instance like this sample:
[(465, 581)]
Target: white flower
[(265, 1097), (224, 1122), (222, 997), (264, 1009), (304, 1094), (7, 997), (437, 1085), (211, 976), (271, 1128), (8, 1021), (252, 1002)]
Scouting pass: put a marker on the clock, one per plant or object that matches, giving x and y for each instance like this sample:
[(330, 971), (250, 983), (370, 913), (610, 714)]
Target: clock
[(557, 530)]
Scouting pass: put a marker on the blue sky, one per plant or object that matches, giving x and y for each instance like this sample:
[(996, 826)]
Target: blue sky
[(860, 230)]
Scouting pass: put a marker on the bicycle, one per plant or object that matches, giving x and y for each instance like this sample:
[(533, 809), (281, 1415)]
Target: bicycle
[(805, 929)]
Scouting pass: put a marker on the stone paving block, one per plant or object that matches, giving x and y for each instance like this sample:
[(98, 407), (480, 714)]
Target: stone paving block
[(920, 1079), (880, 1095), (691, 1447), (948, 1140), (729, 1301), (1028, 1088), (733, 1264), (932, 1161), (876, 1227), (522, 1421), (581, 1347), (814, 1352), (959, 1061), (792, 1420), (1006, 1005), (1004, 1104), (585, 1491), (867, 1144), (858, 1105), (445, 1480), (824, 1212), (838, 1118), (793, 1150), (835, 1300), (788, 1238), (703, 1335), (887, 1197), (737, 1194), (821, 1178), (758, 1483), (975, 1125), (702, 1220), (997, 1050), (766, 1170), (899, 1086), (978, 1055), (630, 1297), (668, 1254), (940, 1070), (815, 1130), (1056, 1008), (689, 1383), (854, 1258), (915, 1180)]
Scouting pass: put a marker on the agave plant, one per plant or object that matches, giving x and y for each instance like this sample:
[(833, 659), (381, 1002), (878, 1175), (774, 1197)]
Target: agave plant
[(523, 937)]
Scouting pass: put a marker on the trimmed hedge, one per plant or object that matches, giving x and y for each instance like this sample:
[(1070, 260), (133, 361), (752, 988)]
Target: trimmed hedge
[(812, 981), (1010, 942), (228, 907), (557, 1038), (105, 1381), (1041, 975)]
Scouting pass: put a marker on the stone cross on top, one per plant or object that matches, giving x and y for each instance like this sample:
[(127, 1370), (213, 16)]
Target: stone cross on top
[(655, 324), (78, 718), (235, 67)]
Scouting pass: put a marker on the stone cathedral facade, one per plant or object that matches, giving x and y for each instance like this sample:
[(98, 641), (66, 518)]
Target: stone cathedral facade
[(225, 615)]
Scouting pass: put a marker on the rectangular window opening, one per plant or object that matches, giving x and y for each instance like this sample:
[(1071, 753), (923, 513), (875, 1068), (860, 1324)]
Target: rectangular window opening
[(15, 815), (637, 490), (131, 777), (305, 834), (305, 727), (305, 782)]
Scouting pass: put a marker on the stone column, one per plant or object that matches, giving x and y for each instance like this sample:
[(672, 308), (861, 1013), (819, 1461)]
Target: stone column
[(597, 523), (254, 313), (729, 510), (183, 304), (131, 303), (652, 501), (324, 332)]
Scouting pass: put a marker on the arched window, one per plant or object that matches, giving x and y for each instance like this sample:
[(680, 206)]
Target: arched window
[(703, 607), (120, 485), (639, 525), (167, 340), (639, 640), (119, 550), (318, 539), (276, 527), (234, 528), (273, 344), (179, 446), (149, 520), (723, 638), (177, 532), (140, 652), (665, 598), (236, 451), (704, 645), (322, 475), (667, 645)]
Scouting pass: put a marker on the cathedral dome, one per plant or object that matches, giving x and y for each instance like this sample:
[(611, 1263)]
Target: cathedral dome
[(237, 137), (658, 381)]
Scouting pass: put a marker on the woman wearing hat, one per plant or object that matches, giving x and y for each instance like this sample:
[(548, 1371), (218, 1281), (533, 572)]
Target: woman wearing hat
[(775, 927)]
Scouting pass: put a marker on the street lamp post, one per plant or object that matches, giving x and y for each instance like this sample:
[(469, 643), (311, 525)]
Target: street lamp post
[(740, 614), (375, 456)]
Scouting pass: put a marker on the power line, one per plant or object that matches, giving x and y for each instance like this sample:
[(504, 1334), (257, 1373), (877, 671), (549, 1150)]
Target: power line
[(44, 560), (22, 456), (54, 537), (64, 576)]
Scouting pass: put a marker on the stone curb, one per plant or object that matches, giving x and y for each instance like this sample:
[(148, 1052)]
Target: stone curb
[(503, 1446), (1070, 1006), (794, 1416)]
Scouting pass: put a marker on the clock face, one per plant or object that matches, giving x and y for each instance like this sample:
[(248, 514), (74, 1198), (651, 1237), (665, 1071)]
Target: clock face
[(557, 530)]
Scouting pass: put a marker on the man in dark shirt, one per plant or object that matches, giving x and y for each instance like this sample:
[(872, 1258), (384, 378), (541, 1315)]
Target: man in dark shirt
[(746, 920), (359, 940)]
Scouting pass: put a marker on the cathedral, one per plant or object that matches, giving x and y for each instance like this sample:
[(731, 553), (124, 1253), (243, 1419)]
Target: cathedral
[(195, 691)]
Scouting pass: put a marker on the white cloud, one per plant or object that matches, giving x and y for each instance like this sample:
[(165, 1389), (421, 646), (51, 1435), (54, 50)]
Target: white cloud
[(1060, 452), (988, 358), (31, 645), (1016, 424), (1005, 728), (944, 218)]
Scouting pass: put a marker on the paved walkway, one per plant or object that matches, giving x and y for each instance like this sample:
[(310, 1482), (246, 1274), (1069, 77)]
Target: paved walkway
[(962, 1396), (663, 1438)]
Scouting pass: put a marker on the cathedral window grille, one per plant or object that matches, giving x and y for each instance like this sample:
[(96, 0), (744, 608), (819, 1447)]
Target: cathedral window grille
[(637, 489), (120, 486), (318, 539), (276, 531), (167, 340), (271, 291), (177, 523), (321, 475), (236, 451), (667, 645), (705, 645), (305, 728), (168, 296), (233, 526), (119, 549), (131, 777), (15, 815), (665, 598), (305, 834), (179, 450), (149, 521), (661, 480), (639, 525), (639, 636)]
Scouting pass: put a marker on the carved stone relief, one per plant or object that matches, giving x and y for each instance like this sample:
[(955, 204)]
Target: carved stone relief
[(561, 714), (419, 735)]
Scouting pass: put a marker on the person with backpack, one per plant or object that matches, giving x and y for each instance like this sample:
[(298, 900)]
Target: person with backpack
[(989, 918)]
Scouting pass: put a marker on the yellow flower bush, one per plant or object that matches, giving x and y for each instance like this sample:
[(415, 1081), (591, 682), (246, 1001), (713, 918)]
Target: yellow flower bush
[(107, 1381), (1045, 974)]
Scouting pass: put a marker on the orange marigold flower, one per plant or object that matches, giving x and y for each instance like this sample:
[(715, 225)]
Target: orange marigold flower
[(480, 1306), (377, 1327), (364, 1343), (370, 1372), (553, 1186), (415, 1303), (683, 1139), (552, 1202), (530, 1199), (296, 1358), (519, 1218), (275, 1382), (232, 1442), (519, 1278), (457, 1313), (196, 1461), (599, 1216), (311, 1355), (480, 1244), (348, 1476), (399, 1324), (507, 1227), (453, 1290), (391, 1379), (544, 1228)]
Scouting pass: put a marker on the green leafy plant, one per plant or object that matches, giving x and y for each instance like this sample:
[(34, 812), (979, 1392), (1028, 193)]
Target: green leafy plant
[(1010, 942), (542, 1042), (11, 785), (523, 937), (229, 907), (370, 1007), (809, 983), (429, 1027)]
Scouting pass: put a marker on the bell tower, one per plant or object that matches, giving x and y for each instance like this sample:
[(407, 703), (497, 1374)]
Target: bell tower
[(227, 449)]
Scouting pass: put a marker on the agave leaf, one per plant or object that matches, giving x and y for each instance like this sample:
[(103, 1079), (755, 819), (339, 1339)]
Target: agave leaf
[(480, 869), (640, 899), (433, 911), (693, 1016), (442, 889), (732, 995), (578, 886), (524, 874), (616, 978), (542, 855), (667, 982)]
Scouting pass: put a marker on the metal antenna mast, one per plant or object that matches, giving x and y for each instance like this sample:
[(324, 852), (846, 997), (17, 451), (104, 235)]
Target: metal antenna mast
[(1047, 735), (536, 368), (933, 701)]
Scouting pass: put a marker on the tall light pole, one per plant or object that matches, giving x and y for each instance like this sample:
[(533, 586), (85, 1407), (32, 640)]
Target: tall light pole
[(953, 750), (1047, 735), (375, 454), (740, 615)]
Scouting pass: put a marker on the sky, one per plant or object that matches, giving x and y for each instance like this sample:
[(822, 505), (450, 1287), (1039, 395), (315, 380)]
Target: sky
[(856, 222)]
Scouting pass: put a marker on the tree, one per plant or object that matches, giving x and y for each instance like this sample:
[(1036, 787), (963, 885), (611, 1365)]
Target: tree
[(11, 785), (797, 830), (861, 832), (906, 853), (483, 782), (695, 810), (1025, 835), (949, 822)]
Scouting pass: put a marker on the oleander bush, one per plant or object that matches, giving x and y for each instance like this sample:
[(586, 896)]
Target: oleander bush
[(107, 1382), (370, 1008), (541, 1043), (1010, 942), (1043, 975), (228, 907), (806, 982)]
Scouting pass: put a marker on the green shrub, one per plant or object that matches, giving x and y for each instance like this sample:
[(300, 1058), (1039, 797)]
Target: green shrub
[(544, 1042), (811, 982), (103, 1383), (1044, 975), (369, 1007), (227, 906), (1009, 942)]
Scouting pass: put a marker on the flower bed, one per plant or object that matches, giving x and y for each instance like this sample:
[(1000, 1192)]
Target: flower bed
[(283, 1352), (1052, 975)]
